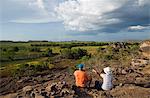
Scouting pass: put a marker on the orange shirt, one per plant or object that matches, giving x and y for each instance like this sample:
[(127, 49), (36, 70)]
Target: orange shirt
[(81, 78)]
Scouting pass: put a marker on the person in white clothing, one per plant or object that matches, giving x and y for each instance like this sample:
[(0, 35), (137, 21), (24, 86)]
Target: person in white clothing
[(107, 78)]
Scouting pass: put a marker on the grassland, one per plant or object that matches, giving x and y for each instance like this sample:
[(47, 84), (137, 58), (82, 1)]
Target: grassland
[(47, 55)]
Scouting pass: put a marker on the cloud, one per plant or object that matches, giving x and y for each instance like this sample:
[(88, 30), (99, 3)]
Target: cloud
[(33, 20), (40, 3), (138, 27), (103, 15), (31, 11), (80, 15)]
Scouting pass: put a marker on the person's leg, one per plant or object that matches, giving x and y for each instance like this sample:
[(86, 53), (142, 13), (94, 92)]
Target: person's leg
[(76, 89), (89, 83), (98, 85)]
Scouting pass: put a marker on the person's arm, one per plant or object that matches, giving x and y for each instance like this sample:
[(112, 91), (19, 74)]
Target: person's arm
[(75, 73), (96, 72), (102, 75)]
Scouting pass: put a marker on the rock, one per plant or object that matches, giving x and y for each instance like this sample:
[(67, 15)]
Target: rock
[(130, 91), (20, 81), (52, 96), (139, 62), (61, 85), (64, 91), (24, 79), (117, 70), (56, 87), (147, 85), (145, 49), (32, 95), (124, 72), (51, 87), (72, 92), (39, 96), (140, 80), (129, 85), (13, 95), (43, 93), (146, 70), (121, 84), (26, 97), (52, 93), (27, 88), (19, 96), (130, 70)]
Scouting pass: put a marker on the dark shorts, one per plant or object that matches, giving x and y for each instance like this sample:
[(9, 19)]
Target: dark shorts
[(98, 85)]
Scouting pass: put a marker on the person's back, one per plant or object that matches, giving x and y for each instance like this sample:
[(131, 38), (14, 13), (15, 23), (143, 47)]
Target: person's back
[(107, 79), (81, 78)]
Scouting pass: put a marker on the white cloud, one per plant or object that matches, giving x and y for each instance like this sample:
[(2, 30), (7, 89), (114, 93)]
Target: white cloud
[(40, 3), (85, 15), (138, 27)]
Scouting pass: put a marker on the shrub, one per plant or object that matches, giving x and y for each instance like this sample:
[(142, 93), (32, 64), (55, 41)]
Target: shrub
[(30, 68), (35, 49), (49, 52), (15, 49), (66, 53), (78, 53), (73, 53), (134, 47), (101, 49), (108, 57), (84, 58), (69, 46)]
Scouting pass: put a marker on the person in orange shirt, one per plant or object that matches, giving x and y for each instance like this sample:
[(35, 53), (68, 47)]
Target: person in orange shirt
[(81, 77)]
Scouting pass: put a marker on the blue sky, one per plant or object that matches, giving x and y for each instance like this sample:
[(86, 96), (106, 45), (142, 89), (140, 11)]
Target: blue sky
[(63, 20)]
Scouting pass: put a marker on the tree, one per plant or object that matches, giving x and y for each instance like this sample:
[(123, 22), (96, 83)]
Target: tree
[(35, 49), (49, 52), (73, 53), (15, 49), (66, 53), (78, 53)]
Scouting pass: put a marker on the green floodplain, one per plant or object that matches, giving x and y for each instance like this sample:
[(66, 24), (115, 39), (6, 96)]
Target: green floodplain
[(19, 58)]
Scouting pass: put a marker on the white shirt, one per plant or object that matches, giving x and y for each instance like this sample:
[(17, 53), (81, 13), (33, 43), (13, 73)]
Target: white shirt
[(107, 81)]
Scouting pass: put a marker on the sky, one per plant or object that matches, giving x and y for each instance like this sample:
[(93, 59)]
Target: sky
[(65, 20)]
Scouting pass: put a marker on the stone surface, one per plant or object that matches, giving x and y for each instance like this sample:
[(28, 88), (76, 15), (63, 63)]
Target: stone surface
[(13, 95), (27, 88)]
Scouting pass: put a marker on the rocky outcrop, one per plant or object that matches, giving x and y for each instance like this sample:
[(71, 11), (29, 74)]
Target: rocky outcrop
[(130, 91), (140, 62), (145, 49)]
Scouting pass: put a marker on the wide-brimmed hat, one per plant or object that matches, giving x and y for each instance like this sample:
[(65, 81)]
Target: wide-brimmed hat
[(107, 70)]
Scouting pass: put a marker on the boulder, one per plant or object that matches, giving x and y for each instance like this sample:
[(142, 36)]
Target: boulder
[(145, 49), (27, 89), (140, 62), (51, 87), (124, 72)]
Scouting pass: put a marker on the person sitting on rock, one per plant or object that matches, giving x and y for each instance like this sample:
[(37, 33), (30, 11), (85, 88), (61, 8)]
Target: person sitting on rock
[(81, 77), (107, 78)]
